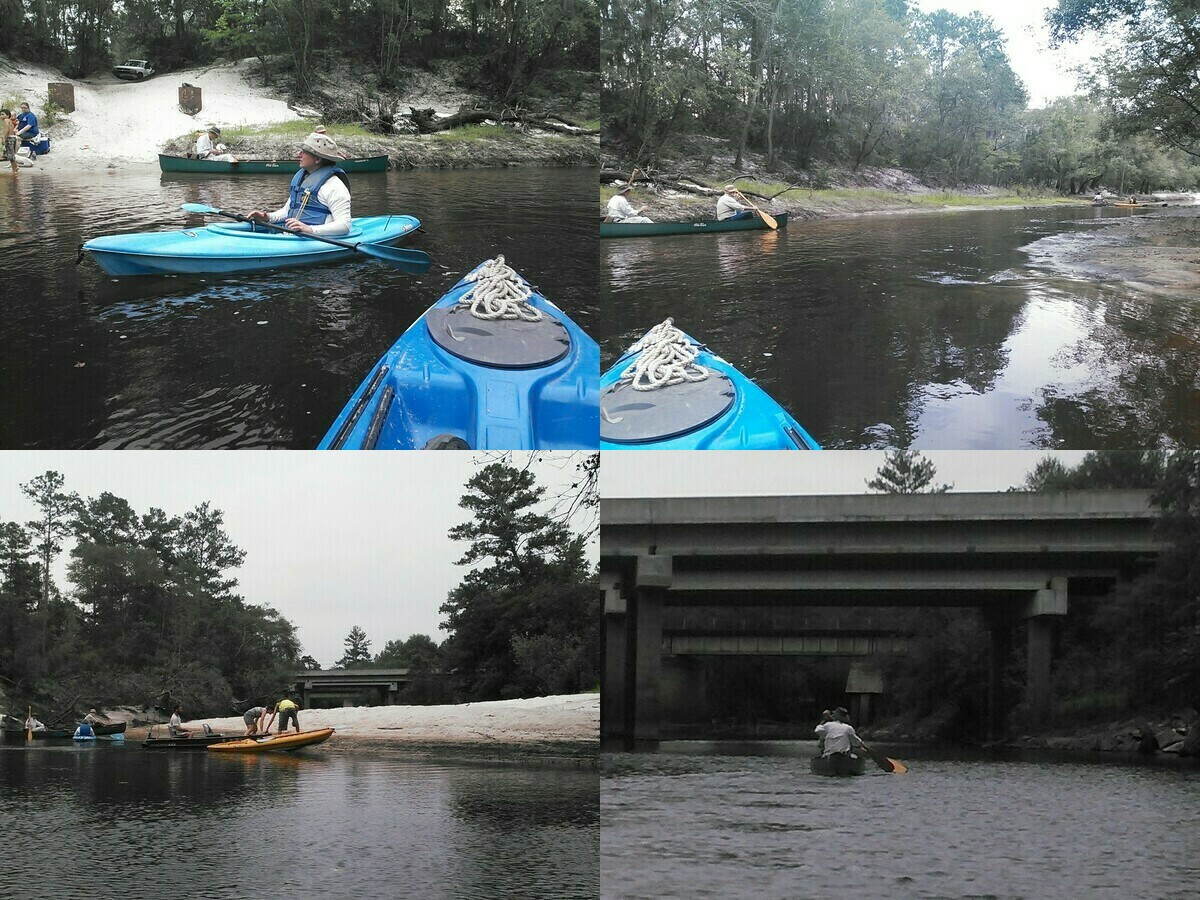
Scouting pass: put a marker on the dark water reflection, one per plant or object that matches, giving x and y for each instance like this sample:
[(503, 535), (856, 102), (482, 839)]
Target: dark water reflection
[(929, 331), (87, 361), (708, 824), (186, 824)]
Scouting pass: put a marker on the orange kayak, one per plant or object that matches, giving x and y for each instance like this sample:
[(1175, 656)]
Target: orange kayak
[(293, 740)]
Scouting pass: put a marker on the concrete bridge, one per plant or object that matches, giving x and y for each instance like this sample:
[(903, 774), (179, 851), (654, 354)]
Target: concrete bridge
[(331, 688), (1018, 557)]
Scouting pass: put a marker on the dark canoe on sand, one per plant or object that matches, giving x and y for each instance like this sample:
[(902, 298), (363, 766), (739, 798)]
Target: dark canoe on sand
[(262, 166), (196, 742), (655, 229), (839, 765)]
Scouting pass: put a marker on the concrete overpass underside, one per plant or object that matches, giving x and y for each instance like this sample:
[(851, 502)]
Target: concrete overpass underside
[(1018, 558)]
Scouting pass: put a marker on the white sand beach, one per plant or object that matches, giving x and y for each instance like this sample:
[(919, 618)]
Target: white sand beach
[(120, 122), (572, 719)]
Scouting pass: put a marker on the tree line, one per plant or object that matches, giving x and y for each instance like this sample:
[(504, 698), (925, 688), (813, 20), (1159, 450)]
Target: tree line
[(150, 613), (864, 82), (517, 47)]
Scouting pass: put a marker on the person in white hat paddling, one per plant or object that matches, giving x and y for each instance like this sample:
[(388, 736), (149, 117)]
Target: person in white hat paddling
[(620, 209), (207, 146), (319, 196), (728, 206)]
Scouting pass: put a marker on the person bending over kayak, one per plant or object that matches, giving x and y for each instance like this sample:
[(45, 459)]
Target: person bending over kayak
[(319, 196), (285, 709), (253, 717), (620, 209), (835, 734), (728, 206)]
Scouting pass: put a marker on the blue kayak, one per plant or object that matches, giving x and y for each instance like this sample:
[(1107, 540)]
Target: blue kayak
[(670, 392), (234, 247), (513, 374)]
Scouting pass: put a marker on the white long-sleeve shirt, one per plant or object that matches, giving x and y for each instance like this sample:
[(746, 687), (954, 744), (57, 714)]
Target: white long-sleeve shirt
[(727, 207), (333, 194), (620, 208), (837, 736)]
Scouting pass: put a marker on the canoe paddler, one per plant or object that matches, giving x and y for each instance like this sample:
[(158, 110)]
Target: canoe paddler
[(175, 727), (319, 195), (728, 206), (835, 734), (621, 210), (208, 146)]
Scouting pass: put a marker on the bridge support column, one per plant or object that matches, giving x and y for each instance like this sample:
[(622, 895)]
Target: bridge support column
[(614, 710), (652, 578), (1045, 605), (1001, 635)]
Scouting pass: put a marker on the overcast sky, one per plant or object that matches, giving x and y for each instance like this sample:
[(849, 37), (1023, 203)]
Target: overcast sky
[(333, 540), (756, 473), (1045, 71)]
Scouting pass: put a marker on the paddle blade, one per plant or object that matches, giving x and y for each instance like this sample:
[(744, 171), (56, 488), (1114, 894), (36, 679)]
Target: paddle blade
[(201, 208), (770, 220), (415, 262), (898, 768)]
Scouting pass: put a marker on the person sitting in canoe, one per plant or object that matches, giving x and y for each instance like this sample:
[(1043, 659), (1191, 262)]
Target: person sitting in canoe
[(728, 206), (207, 146), (621, 210), (319, 195), (175, 727), (94, 718), (835, 734)]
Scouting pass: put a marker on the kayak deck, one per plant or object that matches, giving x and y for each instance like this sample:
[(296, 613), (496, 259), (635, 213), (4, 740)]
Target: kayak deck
[(235, 247), (455, 381), (275, 742), (715, 408)]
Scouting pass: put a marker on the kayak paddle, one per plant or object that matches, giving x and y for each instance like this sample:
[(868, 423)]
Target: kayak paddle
[(413, 261), (886, 763)]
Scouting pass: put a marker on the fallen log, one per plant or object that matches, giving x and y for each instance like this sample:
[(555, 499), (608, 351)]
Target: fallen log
[(428, 123)]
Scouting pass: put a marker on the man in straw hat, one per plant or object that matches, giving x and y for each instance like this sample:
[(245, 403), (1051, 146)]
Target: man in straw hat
[(207, 146), (319, 196), (620, 209), (728, 206)]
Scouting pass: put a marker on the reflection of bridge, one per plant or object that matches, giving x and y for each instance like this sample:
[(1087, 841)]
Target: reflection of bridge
[(349, 687), (1017, 557)]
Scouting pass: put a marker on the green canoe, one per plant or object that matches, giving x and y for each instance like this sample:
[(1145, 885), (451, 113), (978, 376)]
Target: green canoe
[(654, 229), (261, 166)]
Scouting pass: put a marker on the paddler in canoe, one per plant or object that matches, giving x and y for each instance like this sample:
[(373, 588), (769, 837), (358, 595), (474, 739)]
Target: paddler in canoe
[(319, 195), (835, 734), (621, 210), (728, 206), (208, 146)]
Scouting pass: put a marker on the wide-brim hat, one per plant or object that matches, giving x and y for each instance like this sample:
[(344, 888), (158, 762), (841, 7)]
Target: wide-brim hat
[(213, 129), (729, 188), (322, 146), (622, 187)]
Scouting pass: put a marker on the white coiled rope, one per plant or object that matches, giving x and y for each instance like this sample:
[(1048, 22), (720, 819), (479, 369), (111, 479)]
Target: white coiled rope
[(665, 357), (499, 293)]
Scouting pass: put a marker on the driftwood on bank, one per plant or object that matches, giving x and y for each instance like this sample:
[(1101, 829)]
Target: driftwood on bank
[(428, 123), (679, 182)]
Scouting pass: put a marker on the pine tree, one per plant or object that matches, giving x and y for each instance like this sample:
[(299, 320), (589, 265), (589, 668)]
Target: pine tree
[(906, 472), (358, 650)]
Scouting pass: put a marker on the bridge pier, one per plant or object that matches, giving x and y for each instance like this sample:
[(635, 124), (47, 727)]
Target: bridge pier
[(651, 580), (1045, 605), (614, 710)]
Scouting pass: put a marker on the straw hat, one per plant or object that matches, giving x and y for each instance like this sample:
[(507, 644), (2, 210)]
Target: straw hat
[(622, 187)]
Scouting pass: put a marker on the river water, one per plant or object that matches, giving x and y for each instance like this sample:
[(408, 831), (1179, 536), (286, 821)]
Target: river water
[(263, 361), (932, 331), (704, 822), (105, 820)]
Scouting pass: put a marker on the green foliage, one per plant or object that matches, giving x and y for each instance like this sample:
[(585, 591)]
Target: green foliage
[(527, 623), (151, 612), (906, 472), (1100, 469), (358, 650)]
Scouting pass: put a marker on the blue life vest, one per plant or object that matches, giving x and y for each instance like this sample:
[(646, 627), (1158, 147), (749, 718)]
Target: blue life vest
[(315, 212)]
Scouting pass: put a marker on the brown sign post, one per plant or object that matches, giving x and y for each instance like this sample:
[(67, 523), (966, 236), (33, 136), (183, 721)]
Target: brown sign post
[(189, 99), (61, 95)]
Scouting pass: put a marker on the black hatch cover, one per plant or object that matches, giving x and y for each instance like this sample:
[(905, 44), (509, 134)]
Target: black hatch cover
[(635, 417), (499, 343)]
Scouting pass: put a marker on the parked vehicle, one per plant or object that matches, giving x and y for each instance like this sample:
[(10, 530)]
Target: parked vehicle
[(133, 70)]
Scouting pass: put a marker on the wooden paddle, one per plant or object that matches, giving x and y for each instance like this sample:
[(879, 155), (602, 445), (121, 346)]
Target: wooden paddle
[(413, 261), (771, 223), (29, 725), (884, 762)]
